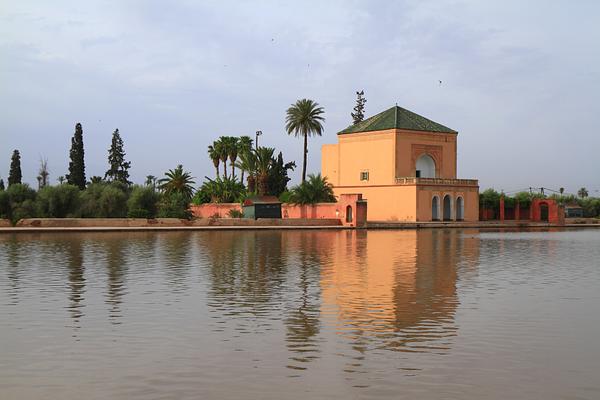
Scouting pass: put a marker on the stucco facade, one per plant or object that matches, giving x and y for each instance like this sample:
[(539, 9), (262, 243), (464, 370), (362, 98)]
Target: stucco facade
[(405, 166)]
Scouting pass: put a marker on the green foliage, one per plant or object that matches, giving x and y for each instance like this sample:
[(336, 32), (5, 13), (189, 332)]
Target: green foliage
[(143, 202), (220, 191), (177, 181), (235, 213), (247, 163), (304, 118), (278, 179), (215, 157), (15, 175), (314, 190), (174, 205), (489, 199), (583, 193), (104, 200), (76, 175), (359, 110), (118, 168), (57, 201), (285, 197), (18, 201), (2, 184)]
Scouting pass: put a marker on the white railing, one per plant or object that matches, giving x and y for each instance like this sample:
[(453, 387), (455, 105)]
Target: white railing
[(436, 181)]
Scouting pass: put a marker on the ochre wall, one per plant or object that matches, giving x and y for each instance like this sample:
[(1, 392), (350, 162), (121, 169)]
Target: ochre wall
[(329, 163), (386, 203), (369, 151), (470, 197), (440, 146)]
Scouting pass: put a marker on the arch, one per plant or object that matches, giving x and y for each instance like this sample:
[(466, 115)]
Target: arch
[(447, 208), (435, 208), (348, 214), (425, 167), (544, 212), (460, 208)]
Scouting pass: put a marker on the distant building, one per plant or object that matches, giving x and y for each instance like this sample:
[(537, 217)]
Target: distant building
[(404, 165), (573, 211)]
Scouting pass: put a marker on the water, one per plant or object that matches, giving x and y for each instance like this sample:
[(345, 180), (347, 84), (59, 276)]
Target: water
[(300, 315)]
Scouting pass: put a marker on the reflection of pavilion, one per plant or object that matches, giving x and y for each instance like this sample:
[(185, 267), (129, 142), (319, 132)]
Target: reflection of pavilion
[(397, 289)]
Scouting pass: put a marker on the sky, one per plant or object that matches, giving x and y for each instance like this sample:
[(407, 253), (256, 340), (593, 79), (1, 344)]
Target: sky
[(520, 80)]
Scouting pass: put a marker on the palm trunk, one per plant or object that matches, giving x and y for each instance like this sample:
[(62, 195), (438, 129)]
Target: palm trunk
[(304, 162), (232, 170), (262, 184), (224, 169), (251, 183), (217, 170), (242, 179)]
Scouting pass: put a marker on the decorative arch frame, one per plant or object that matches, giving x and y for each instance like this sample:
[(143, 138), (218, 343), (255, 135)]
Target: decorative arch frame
[(435, 152)]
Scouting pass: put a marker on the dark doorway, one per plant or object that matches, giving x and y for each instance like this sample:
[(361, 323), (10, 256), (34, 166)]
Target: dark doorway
[(447, 208), (348, 214), (544, 212)]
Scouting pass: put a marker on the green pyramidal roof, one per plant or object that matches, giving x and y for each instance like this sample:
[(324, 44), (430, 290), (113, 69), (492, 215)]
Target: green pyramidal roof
[(397, 118)]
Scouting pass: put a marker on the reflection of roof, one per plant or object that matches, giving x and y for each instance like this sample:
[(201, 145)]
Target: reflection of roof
[(397, 118), (261, 200)]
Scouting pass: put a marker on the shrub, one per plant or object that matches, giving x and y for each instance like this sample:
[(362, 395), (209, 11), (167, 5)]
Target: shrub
[(113, 202), (142, 203), (233, 213), (220, 191), (174, 205), (19, 202), (315, 189), (58, 201)]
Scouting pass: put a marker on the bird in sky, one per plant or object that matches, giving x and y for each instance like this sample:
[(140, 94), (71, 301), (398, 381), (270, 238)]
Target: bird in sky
[(440, 83)]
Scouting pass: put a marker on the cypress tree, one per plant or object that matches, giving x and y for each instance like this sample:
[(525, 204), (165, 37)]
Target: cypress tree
[(359, 110), (118, 170), (14, 176), (1, 185), (76, 175)]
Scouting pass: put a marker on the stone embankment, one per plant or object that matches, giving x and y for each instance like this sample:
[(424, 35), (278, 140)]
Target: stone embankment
[(112, 224)]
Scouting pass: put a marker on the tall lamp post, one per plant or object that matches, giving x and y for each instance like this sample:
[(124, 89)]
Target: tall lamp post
[(258, 133)]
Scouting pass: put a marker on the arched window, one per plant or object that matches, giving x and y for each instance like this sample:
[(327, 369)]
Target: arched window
[(435, 208), (447, 208), (349, 214), (460, 209), (425, 167)]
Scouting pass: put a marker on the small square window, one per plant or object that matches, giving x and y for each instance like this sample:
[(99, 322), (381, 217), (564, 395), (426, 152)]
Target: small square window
[(364, 175)]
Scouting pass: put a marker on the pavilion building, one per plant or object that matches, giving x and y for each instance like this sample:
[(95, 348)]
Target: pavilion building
[(404, 165)]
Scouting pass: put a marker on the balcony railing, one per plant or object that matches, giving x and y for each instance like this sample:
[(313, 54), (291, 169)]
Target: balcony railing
[(436, 181)]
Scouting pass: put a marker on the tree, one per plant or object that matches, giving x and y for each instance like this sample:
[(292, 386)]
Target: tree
[(264, 157), (221, 149), (304, 118), (278, 175), (177, 181), (151, 181), (359, 110), (76, 175), (215, 157), (315, 190), (583, 193), (247, 163), (57, 201), (15, 175), (142, 202), (232, 151), (43, 174), (96, 179), (118, 167), (244, 147), (2, 184), (61, 179)]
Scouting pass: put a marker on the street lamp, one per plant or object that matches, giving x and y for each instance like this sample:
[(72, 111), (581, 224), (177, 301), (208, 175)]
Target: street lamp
[(258, 133)]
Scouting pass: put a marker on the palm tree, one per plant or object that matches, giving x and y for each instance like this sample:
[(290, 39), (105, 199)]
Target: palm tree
[(583, 193), (221, 146), (244, 146), (247, 163), (214, 156), (177, 181), (264, 155), (304, 119), (315, 190), (232, 151)]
